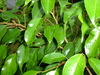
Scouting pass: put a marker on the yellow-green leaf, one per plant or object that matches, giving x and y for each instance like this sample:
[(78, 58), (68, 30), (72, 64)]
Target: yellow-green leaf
[(75, 65), (47, 5)]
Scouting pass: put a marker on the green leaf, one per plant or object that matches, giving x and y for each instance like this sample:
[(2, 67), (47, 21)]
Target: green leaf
[(53, 57), (7, 15), (74, 10), (3, 51), (33, 58), (63, 4), (75, 65), (20, 2), (31, 72), (54, 72), (41, 53), (59, 34), (22, 55), (51, 47), (2, 30), (49, 33), (92, 43), (39, 42), (11, 35), (84, 28), (78, 45), (93, 9), (51, 66), (36, 11), (68, 49), (47, 5), (29, 35), (27, 1), (95, 64), (10, 65)]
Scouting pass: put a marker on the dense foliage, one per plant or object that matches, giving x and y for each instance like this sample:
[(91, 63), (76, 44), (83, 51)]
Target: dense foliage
[(50, 37)]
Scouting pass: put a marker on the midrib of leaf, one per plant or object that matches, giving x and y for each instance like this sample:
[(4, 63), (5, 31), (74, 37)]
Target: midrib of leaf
[(94, 64), (9, 65), (77, 64)]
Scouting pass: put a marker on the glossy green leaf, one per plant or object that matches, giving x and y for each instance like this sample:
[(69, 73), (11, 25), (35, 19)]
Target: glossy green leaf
[(68, 49), (27, 1), (95, 64), (20, 2), (59, 34), (92, 43), (47, 5), (11, 35), (93, 9), (29, 35), (75, 65), (33, 58), (78, 45), (49, 33), (36, 11), (2, 30), (31, 72), (41, 53), (80, 17), (3, 51), (63, 4), (51, 47), (84, 28), (22, 55), (74, 10), (10, 65), (53, 57), (33, 2), (39, 42), (8, 15), (54, 72), (51, 66)]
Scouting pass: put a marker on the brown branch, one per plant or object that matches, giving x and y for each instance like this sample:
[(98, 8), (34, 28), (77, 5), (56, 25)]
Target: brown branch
[(66, 40), (54, 17), (50, 22), (56, 13), (10, 27), (1, 11), (52, 68), (21, 28), (88, 70), (15, 24)]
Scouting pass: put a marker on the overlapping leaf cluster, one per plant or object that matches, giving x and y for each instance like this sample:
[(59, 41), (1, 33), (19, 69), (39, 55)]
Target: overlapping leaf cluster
[(50, 37)]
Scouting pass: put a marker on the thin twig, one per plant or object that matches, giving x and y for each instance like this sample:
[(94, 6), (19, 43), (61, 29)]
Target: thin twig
[(88, 70), (21, 28), (56, 13), (8, 27), (66, 40), (52, 68), (1, 11), (50, 22), (54, 17), (14, 24), (24, 19)]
